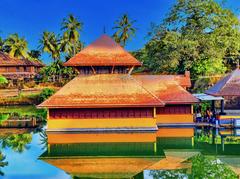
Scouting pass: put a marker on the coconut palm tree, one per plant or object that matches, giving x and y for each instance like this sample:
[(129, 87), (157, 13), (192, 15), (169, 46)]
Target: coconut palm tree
[(124, 30), (1, 44), (71, 35), (34, 54), (16, 46), (51, 44), (2, 162)]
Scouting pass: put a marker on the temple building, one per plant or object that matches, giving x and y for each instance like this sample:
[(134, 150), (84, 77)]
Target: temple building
[(14, 68), (105, 96)]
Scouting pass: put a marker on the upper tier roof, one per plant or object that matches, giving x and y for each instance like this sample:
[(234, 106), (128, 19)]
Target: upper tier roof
[(103, 52), (6, 60), (228, 86), (115, 90)]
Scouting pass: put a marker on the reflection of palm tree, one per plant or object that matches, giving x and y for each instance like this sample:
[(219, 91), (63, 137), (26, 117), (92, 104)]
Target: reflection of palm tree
[(125, 30), (17, 142), (2, 162), (43, 139)]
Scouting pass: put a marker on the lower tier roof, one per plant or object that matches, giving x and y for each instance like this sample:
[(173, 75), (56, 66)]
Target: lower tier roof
[(118, 90)]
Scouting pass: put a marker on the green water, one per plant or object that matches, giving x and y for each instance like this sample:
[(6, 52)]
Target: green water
[(33, 153)]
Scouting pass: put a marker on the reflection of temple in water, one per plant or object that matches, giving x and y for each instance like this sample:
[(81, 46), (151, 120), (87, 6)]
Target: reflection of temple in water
[(118, 155)]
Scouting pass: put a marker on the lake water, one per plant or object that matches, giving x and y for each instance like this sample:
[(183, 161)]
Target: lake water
[(167, 153)]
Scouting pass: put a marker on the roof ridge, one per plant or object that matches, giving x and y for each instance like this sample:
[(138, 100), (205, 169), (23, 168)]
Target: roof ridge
[(151, 93)]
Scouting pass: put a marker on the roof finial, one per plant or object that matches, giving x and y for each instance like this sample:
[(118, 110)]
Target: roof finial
[(104, 29)]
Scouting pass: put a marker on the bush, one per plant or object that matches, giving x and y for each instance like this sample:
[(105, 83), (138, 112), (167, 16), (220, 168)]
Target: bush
[(46, 93), (3, 81)]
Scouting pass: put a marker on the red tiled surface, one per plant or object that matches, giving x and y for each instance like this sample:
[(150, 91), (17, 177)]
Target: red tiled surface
[(6, 60), (103, 52), (228, 86), (115, 90)]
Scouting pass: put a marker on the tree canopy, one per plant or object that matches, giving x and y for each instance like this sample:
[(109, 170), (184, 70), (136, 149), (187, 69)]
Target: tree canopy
[(196, 35)]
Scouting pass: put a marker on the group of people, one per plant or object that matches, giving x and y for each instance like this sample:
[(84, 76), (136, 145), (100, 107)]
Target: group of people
[(205, 116)]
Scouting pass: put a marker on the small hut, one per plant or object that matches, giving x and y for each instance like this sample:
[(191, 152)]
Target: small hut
[(229, 88)]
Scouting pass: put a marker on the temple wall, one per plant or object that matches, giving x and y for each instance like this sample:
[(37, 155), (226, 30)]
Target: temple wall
[(174, 114), (118, 117), (102, 123), (100, 113)]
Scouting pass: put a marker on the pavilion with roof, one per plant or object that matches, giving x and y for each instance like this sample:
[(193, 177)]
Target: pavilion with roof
[(229, 89), (106, 96)]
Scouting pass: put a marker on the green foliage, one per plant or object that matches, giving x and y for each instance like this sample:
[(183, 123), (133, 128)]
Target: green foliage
[(46, 93), (124, 30), (3, 80), (17, 142), (50, 43), (202, 168), (56, 72), (34, 54), (3, 163), (16, 46), (196, 35), (70, 42)]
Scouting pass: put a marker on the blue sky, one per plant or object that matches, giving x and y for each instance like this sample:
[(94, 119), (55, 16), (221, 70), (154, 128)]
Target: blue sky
[(29, 18)]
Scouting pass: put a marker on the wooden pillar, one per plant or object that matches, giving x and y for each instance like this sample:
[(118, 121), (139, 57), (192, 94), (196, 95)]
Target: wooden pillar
[(222, 107), (94, 71), (154, 112), (130, 71)]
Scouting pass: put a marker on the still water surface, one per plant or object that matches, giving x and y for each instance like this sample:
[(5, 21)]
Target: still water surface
[(167, 153)]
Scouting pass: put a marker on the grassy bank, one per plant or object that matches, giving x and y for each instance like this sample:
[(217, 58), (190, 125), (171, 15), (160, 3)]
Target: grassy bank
[(27, 99)]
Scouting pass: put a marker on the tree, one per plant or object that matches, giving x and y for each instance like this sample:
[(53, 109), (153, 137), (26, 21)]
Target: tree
[(3, 163), (34, 54), (124, 30), (196, 35), (50, 43), (70, 41), (17, 142), (16, 46), (1, 45)]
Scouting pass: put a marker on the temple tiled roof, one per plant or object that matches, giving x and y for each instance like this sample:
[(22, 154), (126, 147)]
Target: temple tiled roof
[(228, 86), (115, 90), (168, 88), (103, 52), (6, 60)]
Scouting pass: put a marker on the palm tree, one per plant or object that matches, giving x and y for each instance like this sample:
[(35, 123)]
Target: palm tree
[(124, 30), (70, 39), (16, 46), (2, 162), (1, 44), (49, 43), (34, 54)]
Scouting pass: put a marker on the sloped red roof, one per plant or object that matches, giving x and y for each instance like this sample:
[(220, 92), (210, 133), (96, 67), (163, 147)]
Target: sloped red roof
[(228, 86), (168, 88), (118, 90), (103, 52), (6, 60), (182, 80)]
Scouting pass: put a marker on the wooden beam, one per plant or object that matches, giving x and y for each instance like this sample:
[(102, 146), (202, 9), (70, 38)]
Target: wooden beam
[(112, 70), (94, 71), (130, 71)]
